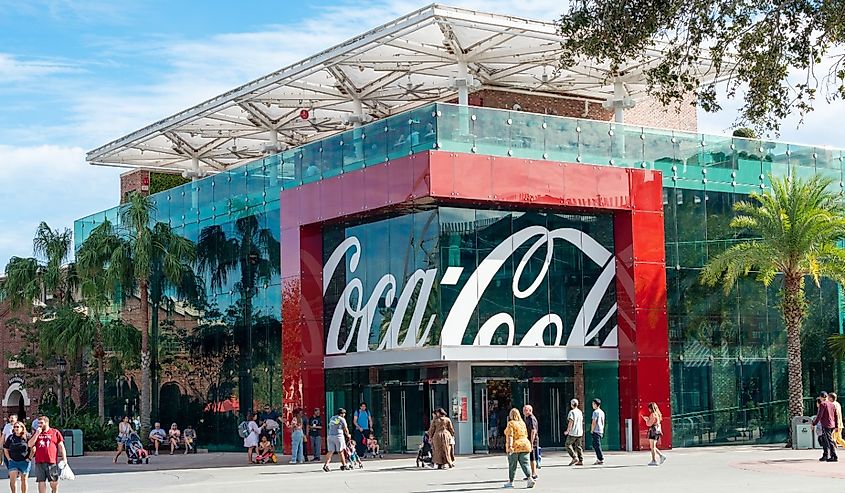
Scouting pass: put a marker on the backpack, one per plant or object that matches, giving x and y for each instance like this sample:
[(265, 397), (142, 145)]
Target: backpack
[(243, 429)]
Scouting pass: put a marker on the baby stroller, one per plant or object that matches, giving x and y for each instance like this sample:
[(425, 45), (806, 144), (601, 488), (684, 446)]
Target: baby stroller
[(425, 455), (135, 451)]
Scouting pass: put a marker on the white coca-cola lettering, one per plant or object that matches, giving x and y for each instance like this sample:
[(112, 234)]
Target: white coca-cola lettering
[(352, 298)]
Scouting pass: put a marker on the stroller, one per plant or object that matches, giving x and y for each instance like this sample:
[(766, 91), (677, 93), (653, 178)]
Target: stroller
[(425, 455), (135, 451)]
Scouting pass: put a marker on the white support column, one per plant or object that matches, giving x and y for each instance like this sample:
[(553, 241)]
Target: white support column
[(463, 84), (274, 137), (357, 112), (460, 387), (618, 101), (195, 168)]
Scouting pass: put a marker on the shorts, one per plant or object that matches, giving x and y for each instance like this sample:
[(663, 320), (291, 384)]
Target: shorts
[(46, 472), (654, 434), (335, 444), (533, 454), (22, 466)]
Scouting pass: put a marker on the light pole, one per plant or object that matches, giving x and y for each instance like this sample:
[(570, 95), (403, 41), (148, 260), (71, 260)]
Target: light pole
[(61, 365)]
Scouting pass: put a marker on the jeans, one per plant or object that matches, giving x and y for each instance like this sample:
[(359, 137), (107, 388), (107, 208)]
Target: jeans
[(316, 446), (520, 458), (597, 446), (297, 444), (574, 447), (826, 441), (358, 437)]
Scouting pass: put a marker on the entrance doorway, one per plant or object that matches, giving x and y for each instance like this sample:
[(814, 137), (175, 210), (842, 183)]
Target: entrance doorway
[(547, 389), (407, 408)]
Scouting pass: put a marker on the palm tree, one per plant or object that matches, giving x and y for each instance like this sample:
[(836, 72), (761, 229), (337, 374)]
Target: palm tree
[(796, 226), (253, 252), (48, 271), (127, 256), (71, 332)]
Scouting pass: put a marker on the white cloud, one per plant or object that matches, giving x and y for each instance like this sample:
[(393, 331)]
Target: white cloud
[(47, 183), (14, 69)]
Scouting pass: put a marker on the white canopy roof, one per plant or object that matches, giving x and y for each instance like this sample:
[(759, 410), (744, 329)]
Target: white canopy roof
[(403, 64)]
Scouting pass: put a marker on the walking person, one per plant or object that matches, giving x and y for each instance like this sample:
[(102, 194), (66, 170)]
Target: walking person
[(518, 448), (655, 431), (337, 433), (16, 454), (574, 434), (837, 432), (826, 417), (442, 435), (47, 442), (363, 422), (251, 440), (533, 428), (597, 430), (315, 428), (297, 438), (124, 429), (7, 432)]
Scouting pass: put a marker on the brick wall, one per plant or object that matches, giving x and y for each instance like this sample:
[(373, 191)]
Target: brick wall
[(647, 112), (134, 181)]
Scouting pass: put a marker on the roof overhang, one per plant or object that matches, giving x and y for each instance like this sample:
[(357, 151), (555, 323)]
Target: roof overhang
[(400, 65)]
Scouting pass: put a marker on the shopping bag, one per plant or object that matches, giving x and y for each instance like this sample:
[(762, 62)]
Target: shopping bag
[(66, 473)]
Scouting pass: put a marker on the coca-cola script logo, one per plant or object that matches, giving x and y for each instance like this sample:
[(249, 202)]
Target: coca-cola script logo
[(361, 307)]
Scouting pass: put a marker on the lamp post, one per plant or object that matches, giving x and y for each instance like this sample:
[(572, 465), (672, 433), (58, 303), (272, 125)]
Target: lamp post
[(61, 365)]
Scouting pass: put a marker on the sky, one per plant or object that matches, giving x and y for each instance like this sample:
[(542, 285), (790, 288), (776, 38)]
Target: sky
[(77, 74)]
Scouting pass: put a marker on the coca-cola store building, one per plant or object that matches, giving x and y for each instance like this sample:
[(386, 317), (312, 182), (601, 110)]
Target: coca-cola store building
[(361, 237), (477, 283)]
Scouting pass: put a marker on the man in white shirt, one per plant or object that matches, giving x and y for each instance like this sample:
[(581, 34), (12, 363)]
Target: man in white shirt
[(157, 437), (597, 430), (574, 433)]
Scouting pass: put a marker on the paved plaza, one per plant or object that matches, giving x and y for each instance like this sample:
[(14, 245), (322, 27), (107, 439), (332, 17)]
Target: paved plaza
[(728, 469)]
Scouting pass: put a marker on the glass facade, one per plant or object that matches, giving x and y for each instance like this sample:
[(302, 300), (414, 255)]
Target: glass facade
[(727, 351)]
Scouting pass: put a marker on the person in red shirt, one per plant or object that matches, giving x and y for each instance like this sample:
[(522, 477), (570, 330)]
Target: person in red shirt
[(47, 442), (826, 417)]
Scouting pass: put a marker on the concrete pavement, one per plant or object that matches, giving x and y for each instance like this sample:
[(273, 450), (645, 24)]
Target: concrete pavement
[(728, 469)]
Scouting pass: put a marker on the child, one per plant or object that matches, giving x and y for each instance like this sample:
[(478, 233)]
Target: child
[(266, 452), (352, 455), (372, 447)]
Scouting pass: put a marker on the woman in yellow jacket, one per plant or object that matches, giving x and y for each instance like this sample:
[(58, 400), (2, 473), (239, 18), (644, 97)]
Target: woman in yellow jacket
[(517, 447)]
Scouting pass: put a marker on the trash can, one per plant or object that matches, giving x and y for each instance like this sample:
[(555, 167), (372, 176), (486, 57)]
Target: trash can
[(803, 435), (73, 442)]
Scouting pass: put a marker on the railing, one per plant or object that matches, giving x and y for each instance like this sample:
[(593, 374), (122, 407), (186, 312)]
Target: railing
[(687, 160)]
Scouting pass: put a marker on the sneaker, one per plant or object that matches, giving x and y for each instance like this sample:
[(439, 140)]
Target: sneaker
[(530, 484), (835, 459), (534, 477), (579, 463), (573, 462), (662, 459), (326, 468), (652, 463), (598, 463), (823, 459), (507, 485)]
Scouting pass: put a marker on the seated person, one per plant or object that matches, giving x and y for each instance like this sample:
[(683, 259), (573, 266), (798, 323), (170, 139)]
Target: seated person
[(157, 436), (189, 436), (174, 436), (266, 452), (372, 446)]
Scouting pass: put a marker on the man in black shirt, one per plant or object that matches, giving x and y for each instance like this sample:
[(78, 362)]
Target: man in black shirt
[(315, 427), (533, 436)]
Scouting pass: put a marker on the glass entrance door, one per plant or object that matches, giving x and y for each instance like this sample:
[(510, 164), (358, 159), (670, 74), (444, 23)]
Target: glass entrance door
[(550, 401), (406, 417)]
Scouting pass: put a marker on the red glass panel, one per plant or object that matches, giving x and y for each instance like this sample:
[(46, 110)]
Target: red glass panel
[(649, 243), (377, 186), (580, 185), (544, 184), (441, 174), (472, 177), (613, 188), (509, 179), (401, 179), (646, 190)]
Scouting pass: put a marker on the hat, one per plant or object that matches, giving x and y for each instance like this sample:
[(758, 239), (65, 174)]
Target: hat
[(574, 402)]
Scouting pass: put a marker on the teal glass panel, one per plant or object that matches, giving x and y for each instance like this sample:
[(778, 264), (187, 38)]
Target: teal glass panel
[(375, 142), (423, 128), (353, 149), (777, 159), (490, 131), (717, 158), (312, 163), (659, 152), (273, 166), (595, 142), (527, 139), (631, 141), (290, 169), (561, 139), (749, 159), (453, 128), (332, 152)]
